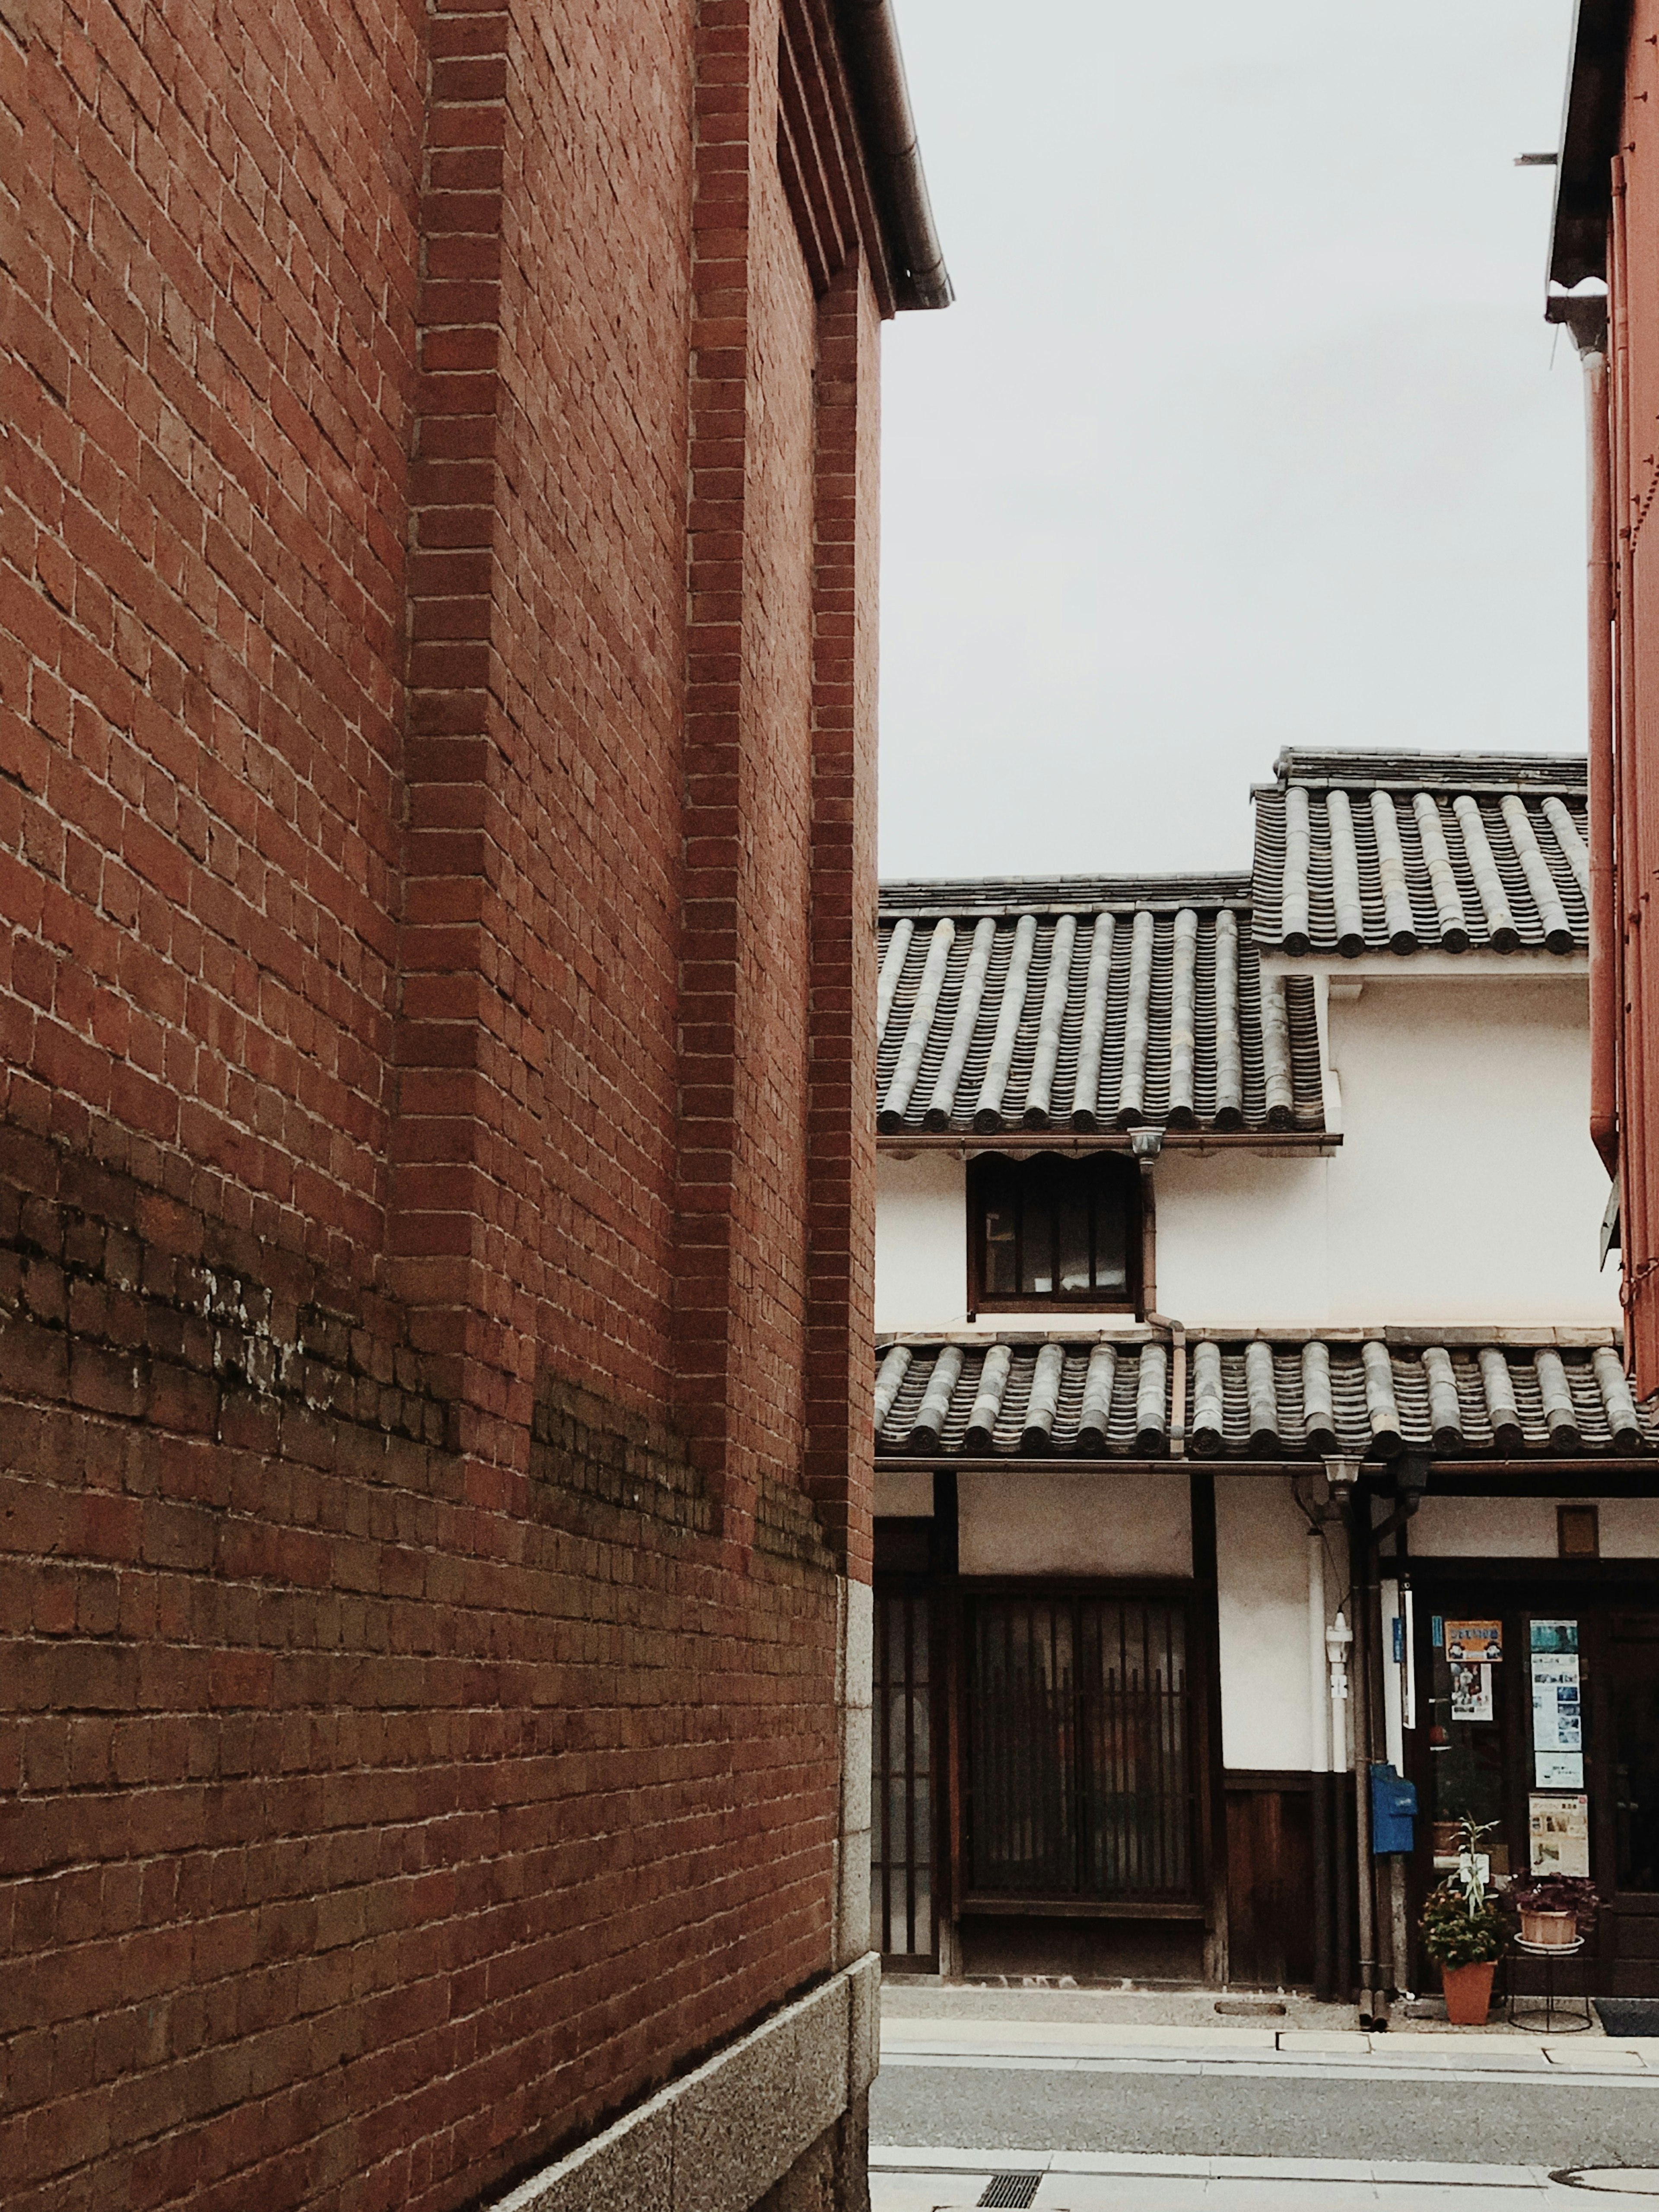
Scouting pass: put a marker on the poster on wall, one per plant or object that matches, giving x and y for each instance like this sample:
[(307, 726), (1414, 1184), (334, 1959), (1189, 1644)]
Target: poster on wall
[(1558, 1832), (1471, 1692), (1559, 1770), (1557, 1716), (1474, 1641), (1555, 1636)]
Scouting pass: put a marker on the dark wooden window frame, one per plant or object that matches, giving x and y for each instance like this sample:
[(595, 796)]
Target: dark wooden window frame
[(1204, 1721), (1137, 1219)]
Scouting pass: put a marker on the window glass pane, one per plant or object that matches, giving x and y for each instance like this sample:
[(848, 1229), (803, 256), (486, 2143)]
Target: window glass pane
[(1111, 1241), (1037, 1187), (1072, 1210), (1000, 1246)]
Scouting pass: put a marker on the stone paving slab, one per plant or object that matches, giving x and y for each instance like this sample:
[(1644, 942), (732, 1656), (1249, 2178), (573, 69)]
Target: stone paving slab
[(936, 2180)]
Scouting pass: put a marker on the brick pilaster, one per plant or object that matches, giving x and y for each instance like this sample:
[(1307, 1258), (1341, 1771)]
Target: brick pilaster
[(450, 1040), (842, 1121)]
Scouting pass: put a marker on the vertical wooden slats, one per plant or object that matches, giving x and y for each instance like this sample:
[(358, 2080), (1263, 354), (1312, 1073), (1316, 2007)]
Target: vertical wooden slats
[(1084, 1760)]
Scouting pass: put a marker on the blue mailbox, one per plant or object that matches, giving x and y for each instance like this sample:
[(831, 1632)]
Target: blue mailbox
[(1394, 1808)]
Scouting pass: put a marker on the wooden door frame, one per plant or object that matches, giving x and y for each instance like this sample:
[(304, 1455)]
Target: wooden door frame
[(1182, 1590)]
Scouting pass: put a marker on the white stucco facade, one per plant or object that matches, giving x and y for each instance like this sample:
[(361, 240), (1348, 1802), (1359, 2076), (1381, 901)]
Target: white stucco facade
[(1465, 1191)]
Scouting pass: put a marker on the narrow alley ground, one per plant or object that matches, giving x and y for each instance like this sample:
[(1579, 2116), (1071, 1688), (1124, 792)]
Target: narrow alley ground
[(1094, 2102)]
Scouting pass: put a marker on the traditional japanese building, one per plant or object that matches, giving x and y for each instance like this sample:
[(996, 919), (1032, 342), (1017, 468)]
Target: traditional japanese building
[(1237, 1267)]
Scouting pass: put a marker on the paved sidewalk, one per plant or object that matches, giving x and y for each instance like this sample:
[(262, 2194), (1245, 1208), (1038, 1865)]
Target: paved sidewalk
[(1049, 2045), (939, 2180)]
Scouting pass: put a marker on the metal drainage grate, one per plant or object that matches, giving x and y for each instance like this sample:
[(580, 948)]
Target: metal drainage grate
[(1012, 2188)]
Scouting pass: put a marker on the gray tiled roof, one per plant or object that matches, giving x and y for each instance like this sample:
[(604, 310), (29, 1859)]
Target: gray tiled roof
[(1087, 1004), (1282, 1396), (1371, 851)]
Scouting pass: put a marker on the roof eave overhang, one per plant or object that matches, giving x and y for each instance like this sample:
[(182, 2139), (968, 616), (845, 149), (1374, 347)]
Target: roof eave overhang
[(887, 125), (1485, 1476), (1590, 139), (1321, 1141)]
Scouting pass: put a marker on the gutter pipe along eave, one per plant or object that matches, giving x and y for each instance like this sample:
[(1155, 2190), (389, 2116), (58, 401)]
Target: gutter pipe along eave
[(920, 277)]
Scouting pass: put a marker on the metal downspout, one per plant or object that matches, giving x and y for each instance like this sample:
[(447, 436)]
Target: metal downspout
[(1323, 1761), (1604, 935), (1360, 1557)]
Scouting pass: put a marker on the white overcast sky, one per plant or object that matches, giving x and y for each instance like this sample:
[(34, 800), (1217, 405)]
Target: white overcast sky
[(1244, 429)]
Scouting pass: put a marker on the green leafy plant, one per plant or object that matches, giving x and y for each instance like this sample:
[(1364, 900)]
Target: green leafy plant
[(1556, 1892), (1462, 1927)]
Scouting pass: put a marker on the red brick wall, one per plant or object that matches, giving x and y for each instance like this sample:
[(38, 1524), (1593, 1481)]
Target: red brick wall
[(436, 674)]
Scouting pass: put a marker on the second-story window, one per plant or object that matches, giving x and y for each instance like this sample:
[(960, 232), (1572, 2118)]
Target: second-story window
[(1053, 1231)]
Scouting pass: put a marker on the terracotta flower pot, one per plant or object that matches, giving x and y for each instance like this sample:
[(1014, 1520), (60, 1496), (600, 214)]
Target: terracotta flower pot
[(1468, 1992), (1551, 1929)]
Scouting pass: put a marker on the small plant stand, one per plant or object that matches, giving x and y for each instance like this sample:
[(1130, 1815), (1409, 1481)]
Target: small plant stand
[(1573, 2021)]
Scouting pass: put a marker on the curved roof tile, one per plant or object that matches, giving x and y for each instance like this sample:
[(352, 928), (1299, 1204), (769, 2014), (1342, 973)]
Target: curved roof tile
[(1094, 1018), (1375, 1394), (1360, 852)]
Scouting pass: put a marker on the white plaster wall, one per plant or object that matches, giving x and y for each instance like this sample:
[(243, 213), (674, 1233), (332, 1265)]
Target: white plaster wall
[(905, 1496), (1466, 1189), (1465, 1192), (1262, 1560), (921, 1241), (1027, 1522), (1525, 1527), (1243, 1240)]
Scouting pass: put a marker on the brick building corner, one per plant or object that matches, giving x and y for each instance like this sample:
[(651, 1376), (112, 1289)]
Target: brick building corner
[(437, 684)]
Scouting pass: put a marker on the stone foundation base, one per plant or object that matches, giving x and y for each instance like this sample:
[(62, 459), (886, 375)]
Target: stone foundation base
[(777, 2122), (833, 2174)]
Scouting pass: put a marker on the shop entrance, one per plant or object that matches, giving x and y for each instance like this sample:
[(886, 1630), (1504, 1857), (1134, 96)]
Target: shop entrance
[(1538, 1715)]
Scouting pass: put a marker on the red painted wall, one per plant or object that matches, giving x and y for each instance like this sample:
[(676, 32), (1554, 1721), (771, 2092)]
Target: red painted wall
[(437, 839)]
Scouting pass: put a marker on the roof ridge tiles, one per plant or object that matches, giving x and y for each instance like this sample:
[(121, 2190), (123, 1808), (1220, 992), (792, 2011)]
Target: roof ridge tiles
[(961, 895), (1485, 771)]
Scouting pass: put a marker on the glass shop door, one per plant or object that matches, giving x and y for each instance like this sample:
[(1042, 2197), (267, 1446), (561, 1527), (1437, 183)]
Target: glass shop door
[(1539, 1718)]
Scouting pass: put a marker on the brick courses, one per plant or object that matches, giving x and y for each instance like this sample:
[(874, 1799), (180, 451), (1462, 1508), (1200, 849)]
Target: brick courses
[(436, 755)]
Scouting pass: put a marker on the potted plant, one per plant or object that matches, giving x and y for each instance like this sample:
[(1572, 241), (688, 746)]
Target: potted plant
[(1464, 1930), (1553, 1910)]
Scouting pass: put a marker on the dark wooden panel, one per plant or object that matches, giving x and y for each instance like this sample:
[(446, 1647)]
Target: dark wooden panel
[(1269, 1886)]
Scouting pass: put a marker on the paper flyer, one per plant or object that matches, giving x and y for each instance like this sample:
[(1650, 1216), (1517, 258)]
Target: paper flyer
[(1555, 1636), (1558, 1832), (1557, 1716), (1559, 1770), (1471, 1692), (1472, 1640)]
